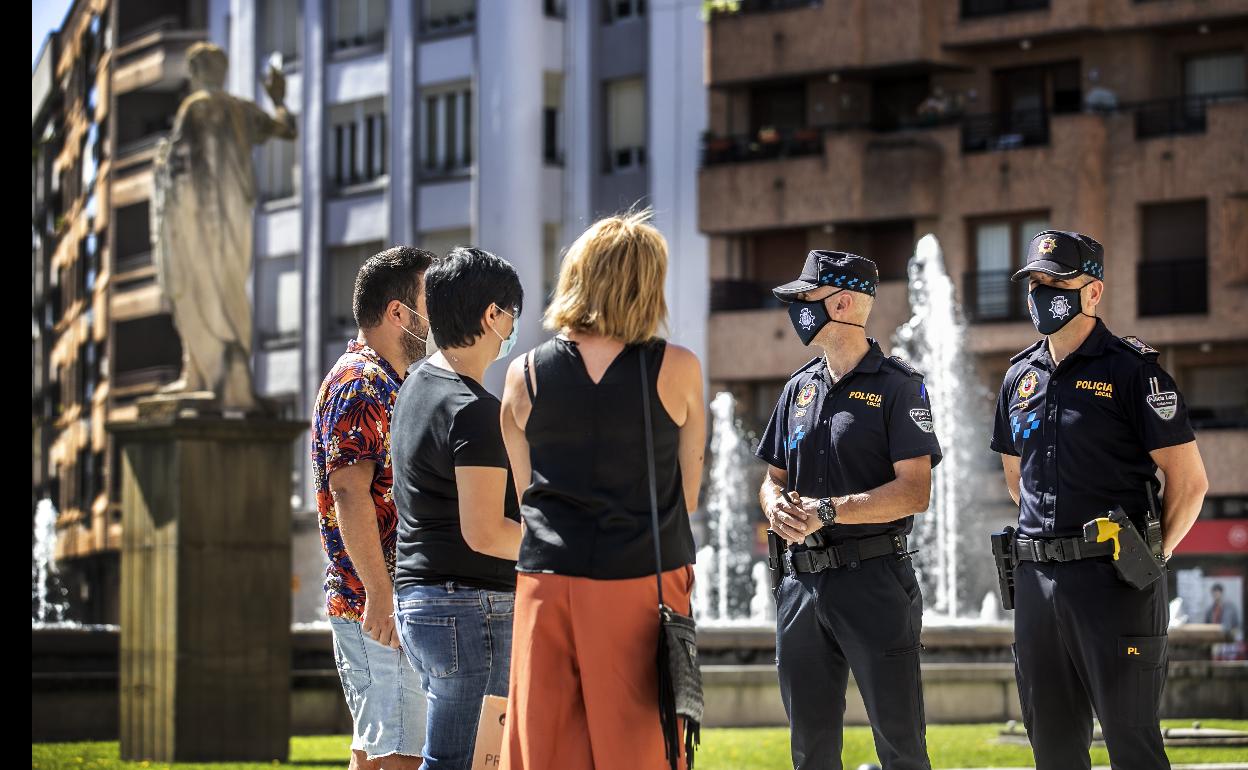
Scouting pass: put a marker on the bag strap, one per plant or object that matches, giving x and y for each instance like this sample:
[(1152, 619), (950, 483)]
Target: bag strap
[(654, 496)]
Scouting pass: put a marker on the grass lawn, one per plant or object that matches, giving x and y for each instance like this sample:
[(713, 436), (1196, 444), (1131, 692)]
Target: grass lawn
[(722, 749)]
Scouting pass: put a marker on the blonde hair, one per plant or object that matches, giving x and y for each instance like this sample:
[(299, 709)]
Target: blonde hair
[(611, 281)]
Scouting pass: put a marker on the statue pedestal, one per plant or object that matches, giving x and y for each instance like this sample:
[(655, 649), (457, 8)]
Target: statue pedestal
[(205, 585)]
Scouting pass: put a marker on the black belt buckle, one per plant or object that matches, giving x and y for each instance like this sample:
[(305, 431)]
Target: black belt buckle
[(1033, 548), (1055, 550), (823, 559)]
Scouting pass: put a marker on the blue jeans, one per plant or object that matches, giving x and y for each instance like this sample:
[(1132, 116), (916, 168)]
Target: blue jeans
[(459, 639)]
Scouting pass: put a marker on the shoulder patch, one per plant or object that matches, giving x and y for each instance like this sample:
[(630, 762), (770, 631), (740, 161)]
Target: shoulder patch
[(806, 366), (900, 363), (1139, 346), (1026, 351)]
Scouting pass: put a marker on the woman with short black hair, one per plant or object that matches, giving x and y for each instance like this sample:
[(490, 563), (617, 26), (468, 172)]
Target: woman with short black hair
[(459, 527)]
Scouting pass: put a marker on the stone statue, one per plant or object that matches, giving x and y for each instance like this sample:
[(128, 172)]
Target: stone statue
[(202, 227)]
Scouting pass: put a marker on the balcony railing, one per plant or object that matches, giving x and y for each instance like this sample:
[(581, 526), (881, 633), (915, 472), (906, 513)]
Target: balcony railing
[(768, 144), (1176, 287), (1181, 115), (990, 295), (759, 6), (974, 9), (735, 294), (1005, 130), (772, 144)]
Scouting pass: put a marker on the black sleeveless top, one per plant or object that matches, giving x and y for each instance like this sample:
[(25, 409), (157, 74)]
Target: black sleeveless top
[(587, 510)]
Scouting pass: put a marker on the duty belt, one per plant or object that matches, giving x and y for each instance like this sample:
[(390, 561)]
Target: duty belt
[(1059, 549), (848, 553)]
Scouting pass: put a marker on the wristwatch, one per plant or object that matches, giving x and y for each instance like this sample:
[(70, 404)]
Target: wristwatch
[(827, 511)]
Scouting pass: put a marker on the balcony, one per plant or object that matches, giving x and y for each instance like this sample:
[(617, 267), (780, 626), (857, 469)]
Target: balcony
[(801, 38), (154, 60), (1005, 131), (973, 9), (735, 294), (1175, 287), (753, 184), (974, 23), (1181, 115), (769, 144), (990, 296)]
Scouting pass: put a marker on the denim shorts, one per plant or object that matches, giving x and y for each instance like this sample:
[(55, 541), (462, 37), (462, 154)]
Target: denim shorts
[(459, 639), (383, 691)]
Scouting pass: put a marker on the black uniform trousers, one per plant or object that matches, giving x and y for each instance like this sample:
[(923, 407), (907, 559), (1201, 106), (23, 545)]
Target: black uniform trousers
[(865, 620), (1087, 642)]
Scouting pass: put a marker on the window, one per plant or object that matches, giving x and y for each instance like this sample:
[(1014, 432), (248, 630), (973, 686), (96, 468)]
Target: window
[(1024, 97), (356, 24), (1207, 78), (626, 124), (278, 317), (552, 118), (277, 172), (134, 245), (551, 258), (1214, 74), (621, 10), (1173, 268), (447, 16), (357, 142), (1000, 248), (440, 242), (281, 27), (447, 125), (1217, 396), (147, 351), (344, 265), (779, 107)]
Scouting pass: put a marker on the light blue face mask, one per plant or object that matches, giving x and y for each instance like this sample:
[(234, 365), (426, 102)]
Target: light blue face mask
[(510, 342)]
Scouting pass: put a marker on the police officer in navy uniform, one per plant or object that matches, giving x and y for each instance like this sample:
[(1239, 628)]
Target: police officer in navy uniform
[(850, 449), (1084, 420)]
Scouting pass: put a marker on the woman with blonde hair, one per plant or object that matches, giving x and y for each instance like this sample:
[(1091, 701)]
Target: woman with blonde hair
[(584, 683)]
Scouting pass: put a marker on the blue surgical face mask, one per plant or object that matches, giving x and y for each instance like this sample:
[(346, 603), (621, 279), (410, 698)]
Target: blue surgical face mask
[(510, 342)]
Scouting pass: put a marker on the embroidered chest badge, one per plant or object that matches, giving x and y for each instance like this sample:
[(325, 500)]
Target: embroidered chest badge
[(806, 395), (1027, 387)]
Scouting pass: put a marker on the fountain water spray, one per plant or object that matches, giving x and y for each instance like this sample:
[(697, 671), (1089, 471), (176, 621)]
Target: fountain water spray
[(952, 536), (47, 595), (726, 585)]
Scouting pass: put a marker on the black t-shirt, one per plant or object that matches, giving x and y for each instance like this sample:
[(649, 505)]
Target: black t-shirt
[(442, 421), (1083, 430), (842, 438)]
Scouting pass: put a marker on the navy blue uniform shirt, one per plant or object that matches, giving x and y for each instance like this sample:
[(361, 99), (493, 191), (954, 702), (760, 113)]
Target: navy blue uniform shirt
[(1083, 430), (843, 438)]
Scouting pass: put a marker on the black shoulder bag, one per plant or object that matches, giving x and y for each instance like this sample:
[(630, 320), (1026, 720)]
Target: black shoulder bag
[(680, 679)]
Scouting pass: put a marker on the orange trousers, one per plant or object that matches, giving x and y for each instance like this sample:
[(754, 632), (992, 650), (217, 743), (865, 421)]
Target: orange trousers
[(584, 686)]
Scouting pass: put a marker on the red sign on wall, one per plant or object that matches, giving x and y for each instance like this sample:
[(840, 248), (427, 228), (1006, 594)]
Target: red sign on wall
[(1216, 536)]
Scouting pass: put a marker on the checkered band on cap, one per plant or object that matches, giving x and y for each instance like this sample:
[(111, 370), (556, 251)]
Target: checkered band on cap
[(846, 281)]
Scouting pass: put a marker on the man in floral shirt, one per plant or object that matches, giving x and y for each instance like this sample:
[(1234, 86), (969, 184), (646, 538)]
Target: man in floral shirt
[(351, 464)]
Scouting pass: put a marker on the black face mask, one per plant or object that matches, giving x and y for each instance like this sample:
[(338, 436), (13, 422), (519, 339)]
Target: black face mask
[(1052, 308), (809, 317)]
